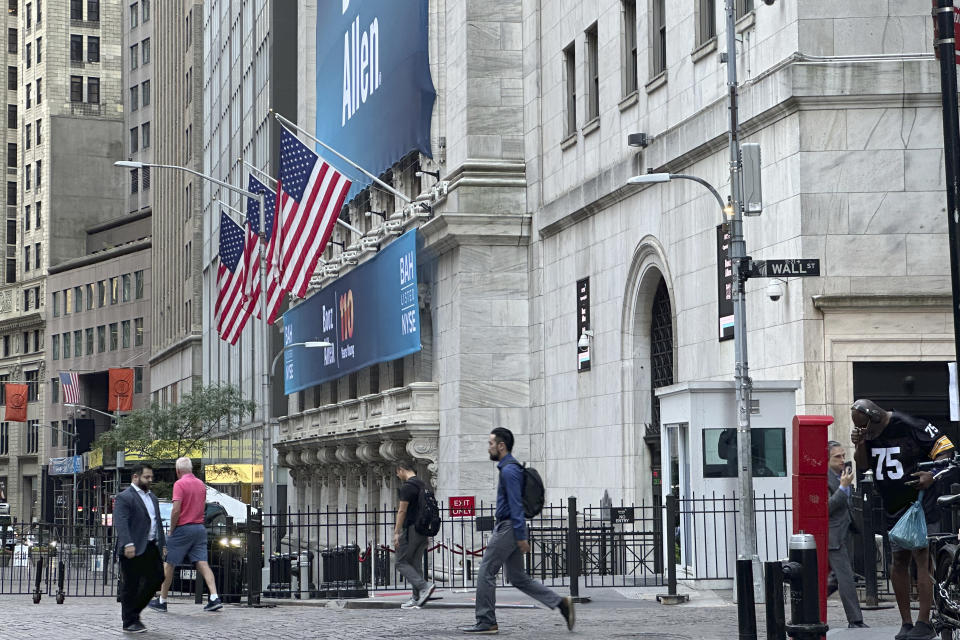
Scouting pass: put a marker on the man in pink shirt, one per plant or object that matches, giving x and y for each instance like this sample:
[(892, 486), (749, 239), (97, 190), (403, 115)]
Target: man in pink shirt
[(188, 535)]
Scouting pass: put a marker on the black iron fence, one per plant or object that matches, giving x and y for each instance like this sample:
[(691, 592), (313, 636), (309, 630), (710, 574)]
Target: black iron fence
[(349, 552)]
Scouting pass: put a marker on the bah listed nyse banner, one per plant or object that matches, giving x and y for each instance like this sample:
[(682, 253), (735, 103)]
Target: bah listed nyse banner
[(369, 315)]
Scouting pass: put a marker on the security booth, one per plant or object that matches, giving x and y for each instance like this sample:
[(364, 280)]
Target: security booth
[(699, 464)]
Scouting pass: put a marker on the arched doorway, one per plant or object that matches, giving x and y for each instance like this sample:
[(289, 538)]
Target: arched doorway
[(661, 374)]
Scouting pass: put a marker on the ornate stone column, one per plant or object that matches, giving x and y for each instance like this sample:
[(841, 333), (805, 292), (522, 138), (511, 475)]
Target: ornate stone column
[(424, 448)]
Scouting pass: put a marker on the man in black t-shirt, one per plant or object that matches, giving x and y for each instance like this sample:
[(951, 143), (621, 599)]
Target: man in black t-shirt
[(890, 444), (410, 544)]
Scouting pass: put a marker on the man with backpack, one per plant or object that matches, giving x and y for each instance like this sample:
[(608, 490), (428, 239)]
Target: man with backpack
[(407, 540), (508, 542)]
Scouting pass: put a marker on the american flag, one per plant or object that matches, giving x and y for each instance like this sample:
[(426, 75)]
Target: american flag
[(231, 309), (252, 286), (70, 385), (311, 194)]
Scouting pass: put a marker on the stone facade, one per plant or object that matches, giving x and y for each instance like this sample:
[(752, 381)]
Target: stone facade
[(851, 168)]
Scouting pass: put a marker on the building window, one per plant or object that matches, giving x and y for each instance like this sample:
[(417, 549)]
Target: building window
[(26, 299), (138, 284), (29, 93), (55, 347), (11, 41), (26, 218), (658, 38), (570, 89), (77, 343), (134, 60), (101, 338), (27, 135), (743, 7), (29, 11), (39, 137), (114, 335), (706, 21), (93, 49), (125, 278), (36, 332), (26, 178), (33, 384), (89, 297), (145, 50), (11, 193), (145, 8), (56, 304), (27, 51), (114, 290), (4, 437), (11, 158), (145, 93), (39, 90), (11, 116), (6, 346), (39, 12), (629, 53), (102, 293), (138, 332), (125, 334), (76, 88), (78, 299), (76, 9), (26, 258), (593, 74), (134, 183), (134, 136), (145, 137), (133, 15), (93, 10), (12, 7), (93, 90), (146, 178), (33, 434), (138, 379), (11, 271), (12, 78), (39, 170), (88, 339), (36, 255), (134, 98), (39, 50), (76, 48)]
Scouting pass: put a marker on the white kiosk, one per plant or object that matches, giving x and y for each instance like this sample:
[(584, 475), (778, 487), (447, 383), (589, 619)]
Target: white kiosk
[(698, 455)]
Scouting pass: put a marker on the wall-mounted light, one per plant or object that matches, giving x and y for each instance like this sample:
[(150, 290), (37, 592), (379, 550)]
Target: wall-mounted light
[(421, 172), (639, 140), (376, 213)]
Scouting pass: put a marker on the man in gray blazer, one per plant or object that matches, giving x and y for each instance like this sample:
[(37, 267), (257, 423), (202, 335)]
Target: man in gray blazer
[(140, 546), (839, 479)]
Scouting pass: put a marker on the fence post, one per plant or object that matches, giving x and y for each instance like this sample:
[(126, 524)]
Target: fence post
[(671, 596), (573, 550), (776, 616), (869, 546), (254, 555)]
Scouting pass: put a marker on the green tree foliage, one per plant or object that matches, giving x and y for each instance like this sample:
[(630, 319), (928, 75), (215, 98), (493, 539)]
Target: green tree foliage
[(165, 433)]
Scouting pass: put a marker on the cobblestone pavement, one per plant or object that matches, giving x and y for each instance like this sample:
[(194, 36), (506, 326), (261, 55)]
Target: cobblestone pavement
[(609, 616)]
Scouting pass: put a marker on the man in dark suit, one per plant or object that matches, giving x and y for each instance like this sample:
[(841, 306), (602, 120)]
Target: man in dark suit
[(140, 546), (839, 479)]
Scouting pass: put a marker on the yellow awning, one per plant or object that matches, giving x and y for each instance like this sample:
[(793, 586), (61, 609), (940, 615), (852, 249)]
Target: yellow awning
[(233, 473)]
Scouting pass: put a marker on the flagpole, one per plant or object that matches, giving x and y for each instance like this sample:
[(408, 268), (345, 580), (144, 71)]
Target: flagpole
[(268, 479), (380, 182)]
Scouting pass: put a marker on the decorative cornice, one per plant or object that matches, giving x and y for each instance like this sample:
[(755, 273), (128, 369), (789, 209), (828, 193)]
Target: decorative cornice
[(858, 302), (193, 340)]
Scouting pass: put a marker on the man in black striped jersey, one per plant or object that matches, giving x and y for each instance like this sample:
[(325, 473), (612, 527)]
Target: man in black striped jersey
[(891, 444)]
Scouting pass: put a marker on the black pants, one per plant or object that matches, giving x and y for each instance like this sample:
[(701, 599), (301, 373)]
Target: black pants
[(141, 577)]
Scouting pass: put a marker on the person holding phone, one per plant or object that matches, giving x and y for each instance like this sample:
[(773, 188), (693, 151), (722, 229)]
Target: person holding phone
[(839, 481), (891, 444)]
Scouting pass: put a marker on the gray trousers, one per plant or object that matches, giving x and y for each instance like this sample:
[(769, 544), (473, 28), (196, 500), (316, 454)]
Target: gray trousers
[(410, 550), (841, 578), (502, 551)]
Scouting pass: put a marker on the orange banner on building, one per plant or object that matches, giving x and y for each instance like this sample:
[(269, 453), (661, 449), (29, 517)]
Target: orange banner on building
[(121, 390), (16, 402)]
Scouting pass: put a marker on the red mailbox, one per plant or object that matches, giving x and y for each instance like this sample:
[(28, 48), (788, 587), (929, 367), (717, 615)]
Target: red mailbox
[(810, 511)]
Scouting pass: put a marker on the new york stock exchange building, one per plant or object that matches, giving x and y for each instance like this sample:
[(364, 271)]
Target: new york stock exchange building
[(526, 284)]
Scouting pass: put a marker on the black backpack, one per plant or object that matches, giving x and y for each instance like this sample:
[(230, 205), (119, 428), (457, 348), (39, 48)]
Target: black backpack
[(428, 519), (533, 491)]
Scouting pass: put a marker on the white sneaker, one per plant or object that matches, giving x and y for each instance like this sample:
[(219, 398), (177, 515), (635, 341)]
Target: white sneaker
[(410, 604)]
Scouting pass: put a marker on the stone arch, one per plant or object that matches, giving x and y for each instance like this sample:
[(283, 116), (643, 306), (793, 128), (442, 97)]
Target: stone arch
[(648, 268)]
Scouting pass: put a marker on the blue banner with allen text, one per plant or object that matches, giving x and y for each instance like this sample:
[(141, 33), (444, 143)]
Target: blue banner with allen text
[(374, 91), (369, 315)]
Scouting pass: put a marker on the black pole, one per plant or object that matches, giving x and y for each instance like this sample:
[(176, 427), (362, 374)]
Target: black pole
[(746, 609), (869, 546), (945, 46), (573, 548), (776, 616), (671, 544)]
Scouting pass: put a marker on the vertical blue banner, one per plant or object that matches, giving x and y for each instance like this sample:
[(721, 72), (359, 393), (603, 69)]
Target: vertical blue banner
[(374, 91), (369, 315)]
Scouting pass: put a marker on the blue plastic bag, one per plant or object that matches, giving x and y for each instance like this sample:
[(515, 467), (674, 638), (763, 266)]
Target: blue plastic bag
[(910, 532)]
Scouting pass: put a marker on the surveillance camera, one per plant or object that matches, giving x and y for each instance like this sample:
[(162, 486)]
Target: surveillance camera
[(774, 290), (769, 3)]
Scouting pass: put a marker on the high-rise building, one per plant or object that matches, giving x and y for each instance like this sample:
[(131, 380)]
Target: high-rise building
[(64, 61), (249, 66), (175, 359)]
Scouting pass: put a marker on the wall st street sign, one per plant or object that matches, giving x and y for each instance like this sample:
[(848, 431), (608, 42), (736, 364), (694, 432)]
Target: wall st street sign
[(792, 267)]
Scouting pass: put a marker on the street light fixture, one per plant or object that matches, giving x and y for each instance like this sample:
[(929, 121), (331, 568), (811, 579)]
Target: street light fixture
[(654, 178)]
